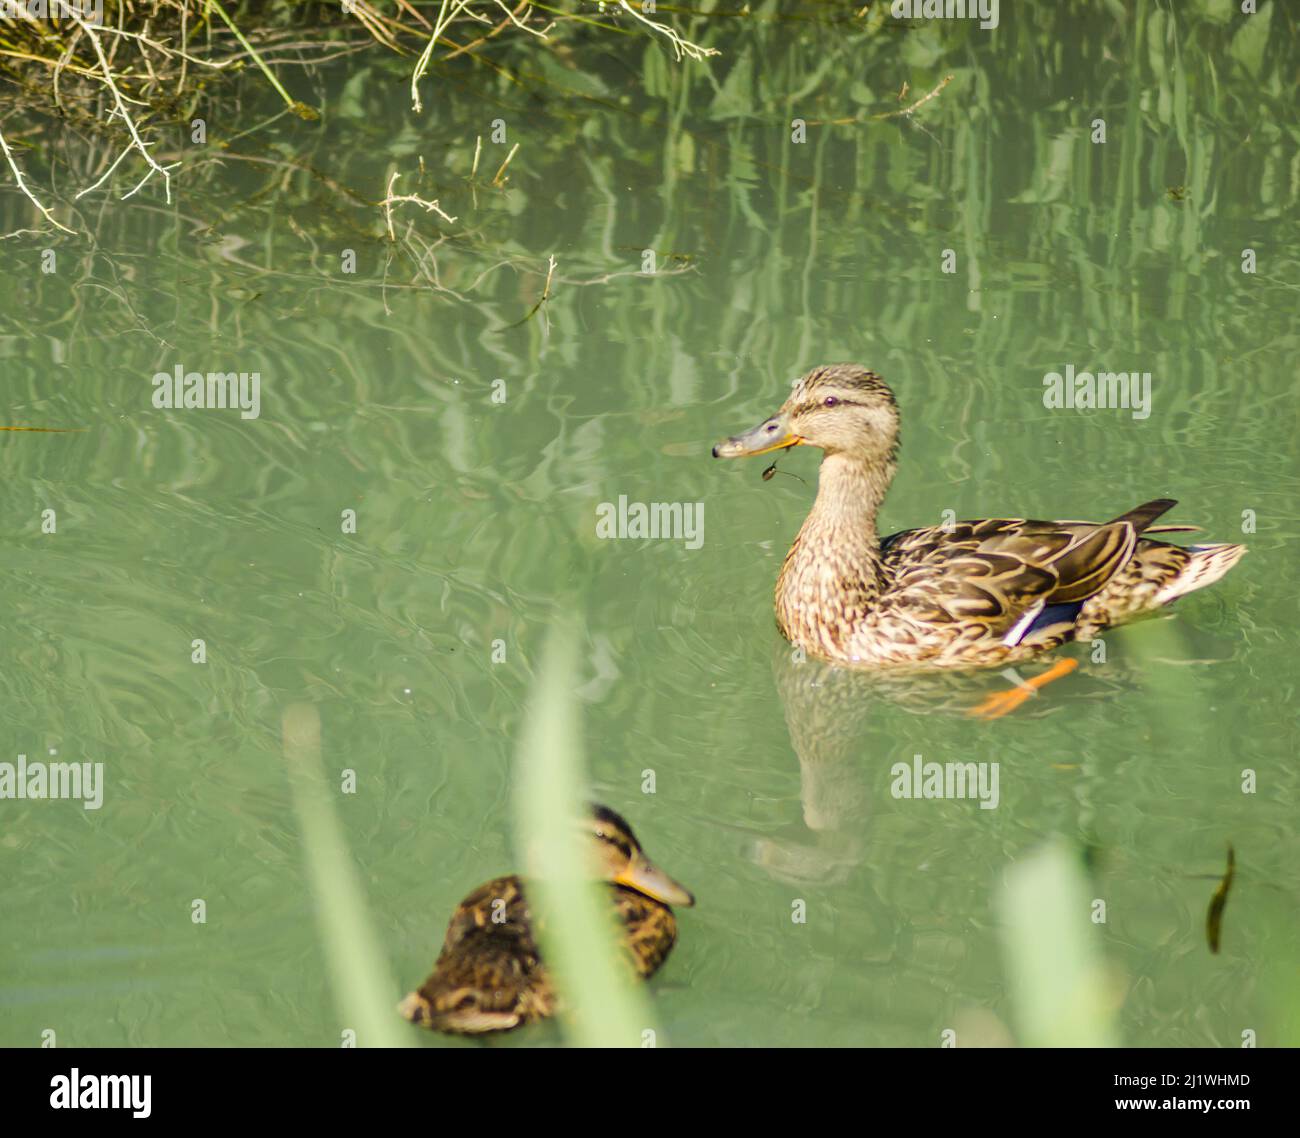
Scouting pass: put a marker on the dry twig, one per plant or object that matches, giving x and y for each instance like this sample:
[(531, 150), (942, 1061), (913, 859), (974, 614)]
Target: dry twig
[(22, 185)]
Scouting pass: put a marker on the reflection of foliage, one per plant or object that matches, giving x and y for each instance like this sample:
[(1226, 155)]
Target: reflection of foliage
[(1196, 99), (116, 63), (684, 161)]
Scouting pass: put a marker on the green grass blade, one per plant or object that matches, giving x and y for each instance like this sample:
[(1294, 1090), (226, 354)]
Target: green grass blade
[(605, 1006), (1057, 977), (363, 989)]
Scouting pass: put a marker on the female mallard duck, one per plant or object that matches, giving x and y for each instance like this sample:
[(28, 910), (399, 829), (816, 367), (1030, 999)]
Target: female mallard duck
[(971, 594), (489, 975)]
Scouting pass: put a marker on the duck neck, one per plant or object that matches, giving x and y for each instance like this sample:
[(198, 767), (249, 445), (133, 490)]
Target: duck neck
[(849, 493), (832, 576)]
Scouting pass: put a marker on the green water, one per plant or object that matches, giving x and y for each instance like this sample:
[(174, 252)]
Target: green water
[(476, 508)]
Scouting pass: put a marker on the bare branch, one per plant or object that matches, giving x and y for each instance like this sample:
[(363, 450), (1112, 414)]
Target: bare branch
[(22, 185), (136, 141), (390, 200), (681, 47)]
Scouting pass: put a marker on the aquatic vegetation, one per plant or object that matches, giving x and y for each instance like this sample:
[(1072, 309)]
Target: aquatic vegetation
[(1061, 991), (1214, 914), (161, 56), (348, 936), (580, 937)]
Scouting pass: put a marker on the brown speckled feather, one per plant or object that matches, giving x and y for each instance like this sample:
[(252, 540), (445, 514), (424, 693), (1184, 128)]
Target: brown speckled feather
[(490, 975), (984, 592)]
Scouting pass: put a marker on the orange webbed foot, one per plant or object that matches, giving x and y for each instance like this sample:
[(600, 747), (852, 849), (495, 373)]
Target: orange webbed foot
[(1004, 702)]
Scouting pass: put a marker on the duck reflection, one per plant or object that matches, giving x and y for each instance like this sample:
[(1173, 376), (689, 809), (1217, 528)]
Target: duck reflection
[(826, 711), (830, 712)]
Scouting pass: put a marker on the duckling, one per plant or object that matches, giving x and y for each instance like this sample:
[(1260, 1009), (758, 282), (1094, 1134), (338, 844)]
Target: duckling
[(980, 593), (490, 975)]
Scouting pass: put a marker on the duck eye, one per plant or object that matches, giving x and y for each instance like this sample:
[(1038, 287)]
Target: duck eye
[(830, 401)]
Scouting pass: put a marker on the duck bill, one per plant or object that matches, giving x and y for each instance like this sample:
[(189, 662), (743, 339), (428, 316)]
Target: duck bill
[(774, 434), (646, 877)]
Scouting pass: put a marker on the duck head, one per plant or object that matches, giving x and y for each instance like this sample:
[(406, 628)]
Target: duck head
[(839, 408), (620, 859)]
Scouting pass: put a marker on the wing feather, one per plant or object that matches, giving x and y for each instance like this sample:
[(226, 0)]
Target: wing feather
[(1002, 575)]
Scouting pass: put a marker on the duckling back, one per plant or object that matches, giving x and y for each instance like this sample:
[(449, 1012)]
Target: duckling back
[(489, 975)]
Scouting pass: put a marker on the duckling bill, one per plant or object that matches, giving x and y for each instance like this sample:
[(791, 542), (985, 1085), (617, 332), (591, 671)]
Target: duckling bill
[(985, 592), (490, 975)]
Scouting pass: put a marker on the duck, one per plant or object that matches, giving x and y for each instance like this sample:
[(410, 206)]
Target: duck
[(969, 594), (490, 975)]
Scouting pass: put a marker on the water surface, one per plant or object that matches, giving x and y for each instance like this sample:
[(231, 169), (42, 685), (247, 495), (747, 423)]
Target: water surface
[(475, 442)]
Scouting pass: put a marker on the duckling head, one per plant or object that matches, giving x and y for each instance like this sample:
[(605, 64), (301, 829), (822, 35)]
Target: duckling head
[(620, 859), (840, 408)]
